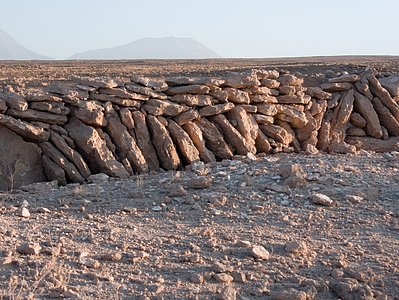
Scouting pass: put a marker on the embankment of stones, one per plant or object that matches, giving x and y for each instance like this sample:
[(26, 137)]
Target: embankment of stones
[(68, 130)]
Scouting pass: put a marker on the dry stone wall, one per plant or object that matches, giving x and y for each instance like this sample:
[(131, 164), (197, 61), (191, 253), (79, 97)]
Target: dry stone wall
[(101, 125)]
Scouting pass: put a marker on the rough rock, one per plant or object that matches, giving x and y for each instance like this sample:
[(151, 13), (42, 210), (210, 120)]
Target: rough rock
[(390, 83), (259, 252), (163, 144), (238, 80), (357, 120), (56, 156), (29, 248), (321, 199), (262, 99), (51, 107), (289, 79), (215, 109), (364, 89), (267, 74), (22, 165), (351, 78), (350, 289), (214, 139), (193, 100), (143, 138), (26, 130), (122, 93), (383, 95), (262, 119), (364, 106), (200, 182), (318, 93), (372, 144), (14, 101), (53, 171), (183, 142), (94, 149), (117, 100), (387, 119), (158, 107), (137, 88), (126, 144), (246, 125), (196, 136), (341, 116), (267, 109), (188, 89), (187, 116), (270, 83), (39, 116), (3, 107), (97, 82), (70, 154), (227, 293), (289, 294), (126, 118), (355, 131), (262, 143), (156, 85), (40, 95), (292, 115), (335, 87), (277, 133), (237, 96), (296, 248), (288, 99), (232, 135)]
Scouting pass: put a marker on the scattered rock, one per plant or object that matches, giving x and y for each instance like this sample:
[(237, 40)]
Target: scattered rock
[(200, 182), (228, 293), (322, 199), (29, 248), (223, 278), (260, 252)]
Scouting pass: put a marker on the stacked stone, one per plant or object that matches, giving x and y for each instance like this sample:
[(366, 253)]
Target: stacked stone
[(100, 125), (362, 114)]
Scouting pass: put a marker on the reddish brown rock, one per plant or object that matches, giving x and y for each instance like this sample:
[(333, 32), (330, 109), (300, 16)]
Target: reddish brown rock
[(277, 133), (40, 95), (237, 96), (53, 171), (214, 139), (263, 99), (289, 79), (287, 99), (267, 109), (252, 109), (262, 143), (293, 115), (187, 116), (94, 149), (365, 107), (355, 131), (318, 93), (383, 95), (372, 144), (14, 100), (364, 89), (184, 143), (335, 87), (257, 90), (126, 118), (391, 84), (246, 126), (70, 154), (20, 161), (267, 74), (232, 136), (125, 143), (97, 82), (144, 140), (155, 84), (188, 89), (193, 100), (158, 107), (325, 132), (163, 144), (270, 83), (51, 107), (139, 89), (341, 147), (386, 117), (215, 109), (262, 119), (286, 90), (237, 80), (26, 130), (3, 107), (122, 93), (39, 116), (56, 156), (295, 143), (90, 113), (351, 78), (341, 116), (303, 133), (116, 100), (219, 95), (196, 136), (357, 120)]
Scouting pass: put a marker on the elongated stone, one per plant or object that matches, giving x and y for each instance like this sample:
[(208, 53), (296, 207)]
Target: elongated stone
[(277, 133), (372, 144), (125, 143), (188, 89), (214, 139), (196, 136), (39, 116), (126, 118), (26, 130), (51, 107), (56, 156), (364, 106), (158, 107), (232, 135), (215, 109), (163, 144), (341, 117), (193, 100), (52, 171), (262, 143), (183, 142), (14, 100), (144, 140), (187, 116), (386, 117), (71, 154), (94, 149)]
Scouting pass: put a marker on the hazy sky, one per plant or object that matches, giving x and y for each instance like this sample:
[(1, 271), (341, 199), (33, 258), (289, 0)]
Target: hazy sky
[(232, 28)]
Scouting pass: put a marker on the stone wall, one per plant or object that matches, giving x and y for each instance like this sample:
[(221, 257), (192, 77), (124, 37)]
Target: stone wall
[(101, 125)]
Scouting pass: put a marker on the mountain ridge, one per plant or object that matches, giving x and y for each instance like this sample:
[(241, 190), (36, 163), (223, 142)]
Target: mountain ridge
[(11, 49), (152, 48)]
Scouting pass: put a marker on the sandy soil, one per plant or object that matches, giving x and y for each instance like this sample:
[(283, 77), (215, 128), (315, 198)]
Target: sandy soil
[(286, 226)]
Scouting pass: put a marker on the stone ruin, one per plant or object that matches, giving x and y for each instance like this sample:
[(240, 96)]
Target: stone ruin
[(68, 130)]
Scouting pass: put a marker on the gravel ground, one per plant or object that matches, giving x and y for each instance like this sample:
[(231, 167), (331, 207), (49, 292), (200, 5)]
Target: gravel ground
[(286, 226)]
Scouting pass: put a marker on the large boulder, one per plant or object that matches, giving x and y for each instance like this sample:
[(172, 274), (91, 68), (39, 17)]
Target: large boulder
[(391, 84), (20, 161)]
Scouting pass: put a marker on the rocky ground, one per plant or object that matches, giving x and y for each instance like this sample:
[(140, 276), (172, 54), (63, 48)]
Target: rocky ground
[(285, 226)]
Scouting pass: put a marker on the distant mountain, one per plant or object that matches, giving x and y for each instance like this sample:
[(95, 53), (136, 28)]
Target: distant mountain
[(10, 49), (152, 48)]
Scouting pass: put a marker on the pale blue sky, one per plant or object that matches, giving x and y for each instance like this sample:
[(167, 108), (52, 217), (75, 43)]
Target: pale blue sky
[(247, 28)]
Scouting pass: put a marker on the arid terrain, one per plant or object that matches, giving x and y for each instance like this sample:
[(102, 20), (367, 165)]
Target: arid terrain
[(283, 226)]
